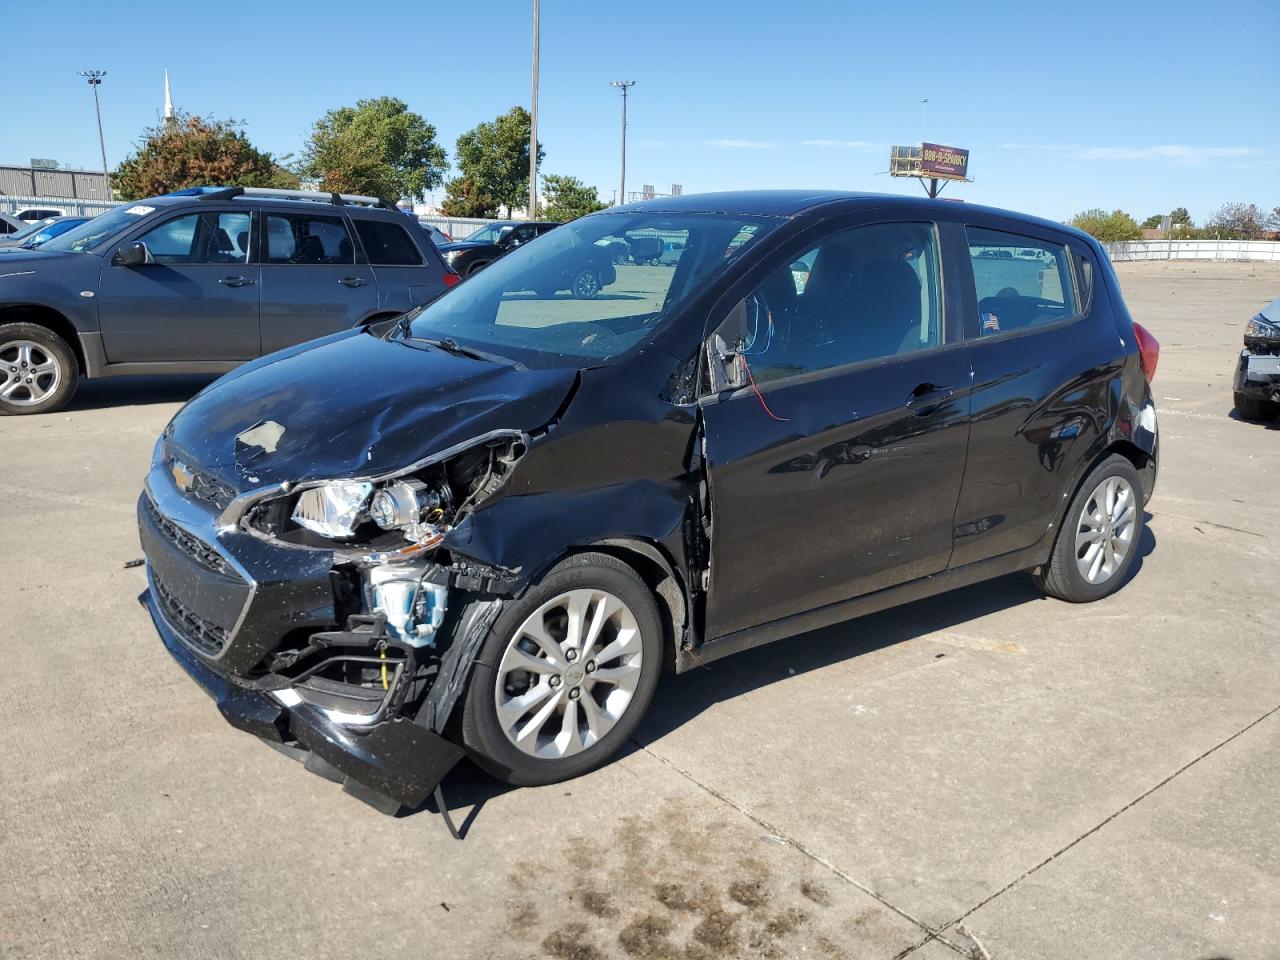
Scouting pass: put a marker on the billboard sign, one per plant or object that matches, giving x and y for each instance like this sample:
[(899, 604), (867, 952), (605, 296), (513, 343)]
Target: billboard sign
[(947, 163)]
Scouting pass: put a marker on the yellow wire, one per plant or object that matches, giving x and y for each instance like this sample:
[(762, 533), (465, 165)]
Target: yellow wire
[(383, 654)]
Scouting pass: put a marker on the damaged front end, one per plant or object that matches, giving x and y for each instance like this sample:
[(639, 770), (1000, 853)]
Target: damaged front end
[(330, 617)]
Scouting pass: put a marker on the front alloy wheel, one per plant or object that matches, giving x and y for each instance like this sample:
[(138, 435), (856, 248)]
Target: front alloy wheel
[(31, 373), (569, 674), (565, 674)]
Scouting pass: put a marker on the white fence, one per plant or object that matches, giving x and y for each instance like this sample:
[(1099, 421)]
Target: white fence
[(456, 227), (1194, 250)]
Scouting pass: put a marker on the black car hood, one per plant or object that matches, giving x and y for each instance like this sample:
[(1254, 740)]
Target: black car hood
[(355, 405), (465, 245)]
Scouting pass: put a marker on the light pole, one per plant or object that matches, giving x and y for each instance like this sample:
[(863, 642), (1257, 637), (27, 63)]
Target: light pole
[(95, 78), (924, 112), (624, 86), (533, 125)]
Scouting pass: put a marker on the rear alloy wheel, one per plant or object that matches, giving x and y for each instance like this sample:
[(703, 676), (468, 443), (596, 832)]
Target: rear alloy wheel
[(1099, 538), (565, 674), (37, 370), (1250, 408), (586, 284)]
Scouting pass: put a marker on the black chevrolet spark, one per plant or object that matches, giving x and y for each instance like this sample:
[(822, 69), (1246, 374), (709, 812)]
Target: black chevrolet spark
[(487, 527)]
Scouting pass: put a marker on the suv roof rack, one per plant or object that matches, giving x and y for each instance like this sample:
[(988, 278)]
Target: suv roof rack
[(314, 196)]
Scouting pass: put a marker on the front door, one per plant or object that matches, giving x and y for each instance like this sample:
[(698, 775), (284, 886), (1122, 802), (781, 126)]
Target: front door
[(312, 284), (836, 472), (196, 301)]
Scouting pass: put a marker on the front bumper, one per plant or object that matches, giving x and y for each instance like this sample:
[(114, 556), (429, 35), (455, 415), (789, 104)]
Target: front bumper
[(395, 758), (223, 600), (1258, 375)]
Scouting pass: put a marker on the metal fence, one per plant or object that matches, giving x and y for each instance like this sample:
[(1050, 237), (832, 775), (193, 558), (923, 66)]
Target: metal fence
[(1194, 250), (66, 206)]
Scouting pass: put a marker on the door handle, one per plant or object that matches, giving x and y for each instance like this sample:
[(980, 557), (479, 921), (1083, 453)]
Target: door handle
[(237, 281), (926, 398), (352, 281)]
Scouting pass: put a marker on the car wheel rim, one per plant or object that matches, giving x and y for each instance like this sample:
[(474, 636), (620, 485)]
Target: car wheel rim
[(30, 373), (569, 674), (587, 285), (1104, 532)]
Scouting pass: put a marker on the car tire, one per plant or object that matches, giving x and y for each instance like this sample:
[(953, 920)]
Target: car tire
[(586, 284), (529, 727), (1250, 408), (38, 371), (1100, 535)]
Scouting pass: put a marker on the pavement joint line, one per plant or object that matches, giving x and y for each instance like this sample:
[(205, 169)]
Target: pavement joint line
[(1092, 830), (791, 841)]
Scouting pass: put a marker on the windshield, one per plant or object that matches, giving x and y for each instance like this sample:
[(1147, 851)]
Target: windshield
[(57, 228), (590, 290), (490, 233), (94, 233), (29, 229)]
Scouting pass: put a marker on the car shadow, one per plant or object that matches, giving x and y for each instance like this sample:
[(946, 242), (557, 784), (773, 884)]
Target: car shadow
[(1234, 414), (681, 698), (138, 391)]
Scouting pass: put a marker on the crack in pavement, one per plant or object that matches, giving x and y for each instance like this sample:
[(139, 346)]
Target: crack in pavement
[(777, 834), (1091, 831)]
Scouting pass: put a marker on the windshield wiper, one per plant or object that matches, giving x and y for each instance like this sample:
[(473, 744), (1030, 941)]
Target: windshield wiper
[(450, 345)]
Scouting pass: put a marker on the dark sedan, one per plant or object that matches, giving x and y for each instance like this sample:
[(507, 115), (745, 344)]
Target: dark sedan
[(584, 276)]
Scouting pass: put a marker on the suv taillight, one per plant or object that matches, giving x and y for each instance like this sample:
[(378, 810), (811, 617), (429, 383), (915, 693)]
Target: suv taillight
[(451, 279), (1148, 349)]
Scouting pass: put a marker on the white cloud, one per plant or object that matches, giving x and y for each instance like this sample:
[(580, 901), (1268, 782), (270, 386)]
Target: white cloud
[(1176, 154), (845, 144), (736, 144)]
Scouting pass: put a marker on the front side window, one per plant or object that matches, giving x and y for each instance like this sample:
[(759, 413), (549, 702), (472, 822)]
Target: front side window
[(308, 239), (1020, 281), (861, 294), (387, 244), (489, 233), (571, 298), (209, 237)]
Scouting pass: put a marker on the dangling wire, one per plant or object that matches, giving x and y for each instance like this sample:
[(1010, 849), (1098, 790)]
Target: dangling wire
[(759, 396)]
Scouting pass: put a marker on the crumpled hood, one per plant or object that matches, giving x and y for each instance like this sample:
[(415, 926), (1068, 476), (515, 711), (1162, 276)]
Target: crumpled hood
[(355, 405)]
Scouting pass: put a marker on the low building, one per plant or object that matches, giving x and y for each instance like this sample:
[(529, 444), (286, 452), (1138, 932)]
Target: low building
[(53, 182)]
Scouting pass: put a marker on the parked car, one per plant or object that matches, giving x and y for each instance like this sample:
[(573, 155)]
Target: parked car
[(40, 232), (490, 528), (490, 242), (200, 281), (10, 224), (1257, 380), (39, 213)]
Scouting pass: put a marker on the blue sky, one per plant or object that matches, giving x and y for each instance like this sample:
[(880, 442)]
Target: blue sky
[(1144, 106)]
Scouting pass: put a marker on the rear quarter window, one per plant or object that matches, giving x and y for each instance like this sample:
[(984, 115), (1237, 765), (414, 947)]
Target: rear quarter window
[(388, 244)]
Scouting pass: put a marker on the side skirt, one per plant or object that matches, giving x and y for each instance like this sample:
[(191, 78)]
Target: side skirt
[(930, 586)]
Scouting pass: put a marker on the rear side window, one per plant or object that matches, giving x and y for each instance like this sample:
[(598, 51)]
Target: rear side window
[(387, 244), (305, 238), (1020, 281)]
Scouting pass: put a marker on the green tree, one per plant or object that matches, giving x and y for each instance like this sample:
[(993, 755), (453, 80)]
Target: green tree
[(1107, 227), (1152, 221), (378, 147), (493, 158), (568, 198), (1179, 215), (196, 151), (1238, 221)]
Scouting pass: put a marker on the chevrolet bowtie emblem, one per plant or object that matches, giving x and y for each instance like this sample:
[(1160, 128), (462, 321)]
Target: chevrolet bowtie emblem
[(182, 477)]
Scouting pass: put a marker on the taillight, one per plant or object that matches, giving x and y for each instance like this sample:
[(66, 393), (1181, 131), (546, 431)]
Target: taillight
[(451, 279), (1148, 349)]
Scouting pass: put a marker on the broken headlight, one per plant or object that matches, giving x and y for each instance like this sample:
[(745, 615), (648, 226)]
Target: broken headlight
[(333, 509), (1259, 329)]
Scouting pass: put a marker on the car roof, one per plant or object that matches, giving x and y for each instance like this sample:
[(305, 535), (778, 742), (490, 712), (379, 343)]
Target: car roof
[(793, 203)]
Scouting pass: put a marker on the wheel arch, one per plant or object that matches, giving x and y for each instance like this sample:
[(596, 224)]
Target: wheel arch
[(52, 320)]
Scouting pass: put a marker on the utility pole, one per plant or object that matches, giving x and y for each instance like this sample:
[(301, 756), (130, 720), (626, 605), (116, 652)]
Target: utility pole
[(533, 125), (924, 112), (95, 78), (624, 86)]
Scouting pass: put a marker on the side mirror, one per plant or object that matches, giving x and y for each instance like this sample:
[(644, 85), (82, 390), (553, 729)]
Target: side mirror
[(133, 255)]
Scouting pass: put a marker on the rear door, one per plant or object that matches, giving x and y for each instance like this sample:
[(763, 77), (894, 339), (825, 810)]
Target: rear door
[(835, 473), (197, 301), (409, 273), (1045, 354), (313, 282)]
